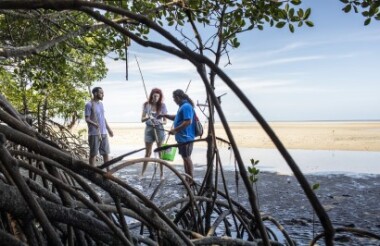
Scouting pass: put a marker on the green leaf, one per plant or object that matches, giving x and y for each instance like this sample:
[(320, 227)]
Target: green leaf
[(367, 21), (373, 10), (347, 8), (291, 28), (315, 186), (309, 23), (307, 14), (344, 1), (364, 4), (280, 24), (296, 2), (356, 9), (300, 13), (295, 19), (282, 14), (250, 169), (291, 13)]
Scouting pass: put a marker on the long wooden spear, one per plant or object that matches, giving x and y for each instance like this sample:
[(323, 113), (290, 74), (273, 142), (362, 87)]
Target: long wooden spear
[(147, 99)]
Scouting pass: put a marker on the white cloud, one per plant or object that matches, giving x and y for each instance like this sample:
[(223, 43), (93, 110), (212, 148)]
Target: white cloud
[(284, 75)]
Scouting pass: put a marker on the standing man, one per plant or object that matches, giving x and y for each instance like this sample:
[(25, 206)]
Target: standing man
[(184, 129), (97, 127)]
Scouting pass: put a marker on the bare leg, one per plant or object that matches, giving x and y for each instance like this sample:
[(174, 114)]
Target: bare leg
[(105, 159), (91, 160), (148, 152), (188, 166)]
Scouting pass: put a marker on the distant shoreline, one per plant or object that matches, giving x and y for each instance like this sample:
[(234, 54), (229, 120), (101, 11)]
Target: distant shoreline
[(308, 135), (274, 121)]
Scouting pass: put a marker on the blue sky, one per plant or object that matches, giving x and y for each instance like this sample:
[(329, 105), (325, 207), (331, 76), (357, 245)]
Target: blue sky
[(328, 72)]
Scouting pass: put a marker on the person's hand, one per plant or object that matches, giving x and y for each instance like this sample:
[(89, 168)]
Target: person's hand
[(160, 116), (172, 132), (110, 132)]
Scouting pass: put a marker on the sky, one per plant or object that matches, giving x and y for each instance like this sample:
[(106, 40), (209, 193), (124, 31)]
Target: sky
[(329, 72)]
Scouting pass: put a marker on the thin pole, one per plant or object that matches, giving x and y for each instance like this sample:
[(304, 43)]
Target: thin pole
[(147, 99), (142, 78), (187, 88)]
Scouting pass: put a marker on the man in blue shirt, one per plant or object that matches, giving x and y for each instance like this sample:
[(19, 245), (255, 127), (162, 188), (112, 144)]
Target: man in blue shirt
[(184, 129)]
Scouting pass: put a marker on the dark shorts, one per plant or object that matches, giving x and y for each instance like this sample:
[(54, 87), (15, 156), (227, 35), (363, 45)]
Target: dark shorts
[(185, 150), (98, 145)]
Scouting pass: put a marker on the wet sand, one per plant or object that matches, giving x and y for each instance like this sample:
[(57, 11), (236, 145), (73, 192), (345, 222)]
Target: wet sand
[(350, 201)]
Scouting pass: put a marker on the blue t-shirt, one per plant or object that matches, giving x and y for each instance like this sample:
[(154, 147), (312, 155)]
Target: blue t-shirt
[(185, 112), (100, 119)]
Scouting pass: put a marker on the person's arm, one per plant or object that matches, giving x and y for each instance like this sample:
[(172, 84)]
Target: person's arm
[(144, 116), (164, 121), (167, 116), (88, 111), (89, 121), (164, 110), (182, 126), (110, 132)]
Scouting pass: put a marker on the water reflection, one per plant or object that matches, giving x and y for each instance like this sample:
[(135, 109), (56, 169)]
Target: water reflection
[(309, 161)]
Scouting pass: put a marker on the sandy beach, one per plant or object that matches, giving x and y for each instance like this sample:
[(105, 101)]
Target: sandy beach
[(361, 136), (356, 136), (316, 147)]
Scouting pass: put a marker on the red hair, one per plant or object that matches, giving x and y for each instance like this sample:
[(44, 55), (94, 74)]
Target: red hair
[(159, 103)]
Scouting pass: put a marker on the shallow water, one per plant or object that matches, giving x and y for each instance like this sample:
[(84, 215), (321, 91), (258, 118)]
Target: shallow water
[(309, 161)]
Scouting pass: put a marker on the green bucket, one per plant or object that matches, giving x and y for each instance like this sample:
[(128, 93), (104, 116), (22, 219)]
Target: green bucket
[(168, 154)]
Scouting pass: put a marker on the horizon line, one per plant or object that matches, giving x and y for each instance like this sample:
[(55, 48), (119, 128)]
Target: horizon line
[(254, 121)]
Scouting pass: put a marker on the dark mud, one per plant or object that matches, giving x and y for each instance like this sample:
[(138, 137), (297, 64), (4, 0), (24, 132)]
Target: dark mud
[(350, 201)]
